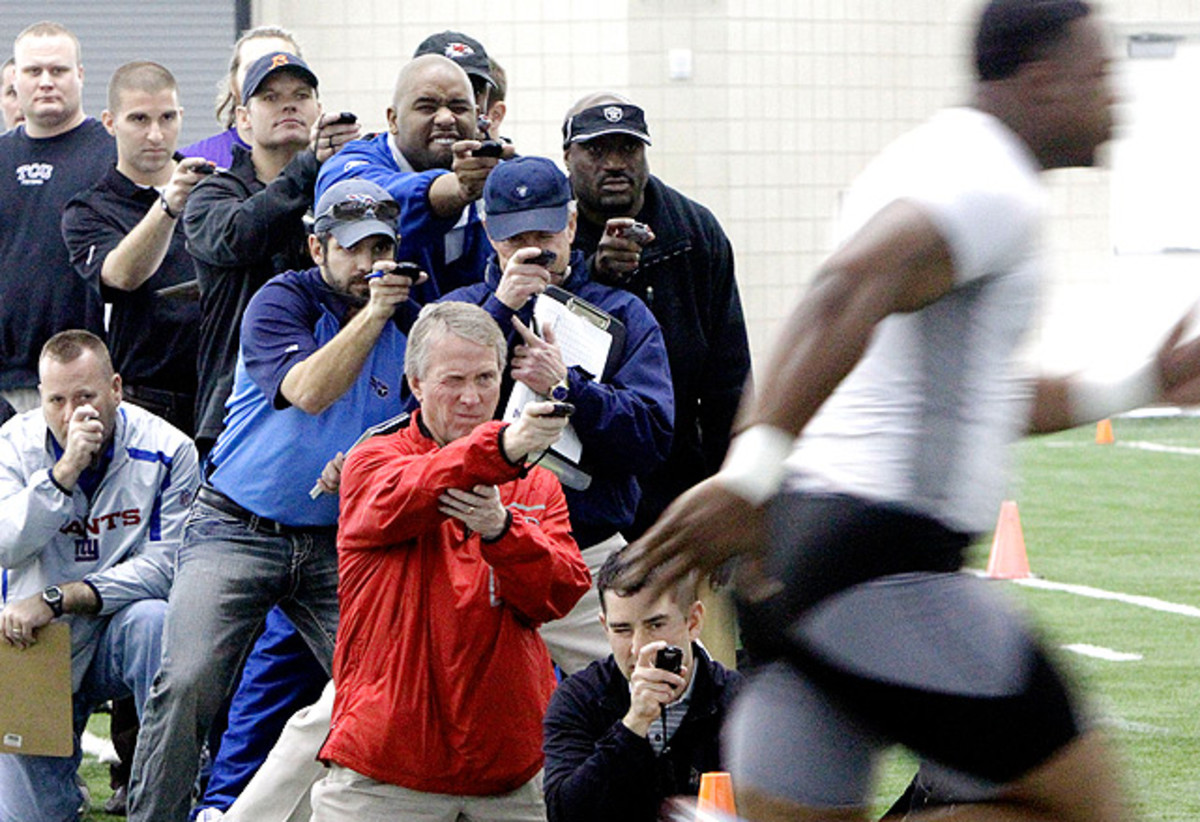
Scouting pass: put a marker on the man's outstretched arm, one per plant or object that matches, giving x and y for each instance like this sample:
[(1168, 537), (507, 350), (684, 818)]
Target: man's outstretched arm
[(898, 262)]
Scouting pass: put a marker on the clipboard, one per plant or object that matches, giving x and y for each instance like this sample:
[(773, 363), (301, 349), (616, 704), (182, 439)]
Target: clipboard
[(591, 339), (597, 317), (35, 695)]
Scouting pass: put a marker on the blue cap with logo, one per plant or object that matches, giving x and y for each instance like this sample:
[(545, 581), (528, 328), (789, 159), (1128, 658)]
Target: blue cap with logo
[(526, 194), (268, 64)]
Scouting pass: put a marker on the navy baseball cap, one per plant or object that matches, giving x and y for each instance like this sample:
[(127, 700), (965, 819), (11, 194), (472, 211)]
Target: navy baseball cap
[(525, 194), (606, 118), (466, 51), (354, 209), (268, 64)]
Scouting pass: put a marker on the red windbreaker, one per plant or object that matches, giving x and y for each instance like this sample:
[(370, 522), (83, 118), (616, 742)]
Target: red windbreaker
[(442, 678)]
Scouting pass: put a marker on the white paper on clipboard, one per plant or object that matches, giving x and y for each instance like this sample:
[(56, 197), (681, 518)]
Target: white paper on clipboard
[(582, 344)]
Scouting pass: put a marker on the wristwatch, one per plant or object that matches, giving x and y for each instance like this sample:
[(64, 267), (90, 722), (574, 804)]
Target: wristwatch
[(560, 391), (52, 595)]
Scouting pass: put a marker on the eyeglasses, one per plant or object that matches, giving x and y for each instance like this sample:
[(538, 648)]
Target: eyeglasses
[(362, 208)]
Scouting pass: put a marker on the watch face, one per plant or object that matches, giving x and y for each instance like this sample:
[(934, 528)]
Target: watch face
[(53, 596), (560, 392)]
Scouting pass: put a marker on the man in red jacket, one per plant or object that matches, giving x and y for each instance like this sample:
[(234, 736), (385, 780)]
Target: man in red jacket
[(452, 549)]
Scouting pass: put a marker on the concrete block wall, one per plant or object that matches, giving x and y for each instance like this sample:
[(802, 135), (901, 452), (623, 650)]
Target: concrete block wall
[(785, 102)]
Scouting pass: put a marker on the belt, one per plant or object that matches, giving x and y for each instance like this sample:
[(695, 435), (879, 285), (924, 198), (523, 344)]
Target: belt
[(177, 409), (212, 497), (159, 395)]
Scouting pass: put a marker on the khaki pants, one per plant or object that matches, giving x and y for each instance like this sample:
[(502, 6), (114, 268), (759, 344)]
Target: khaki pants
[(346, 796), (279, 792)]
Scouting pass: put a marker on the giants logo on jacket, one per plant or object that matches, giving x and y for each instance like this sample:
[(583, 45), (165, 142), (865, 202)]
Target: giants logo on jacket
[(88, 549)]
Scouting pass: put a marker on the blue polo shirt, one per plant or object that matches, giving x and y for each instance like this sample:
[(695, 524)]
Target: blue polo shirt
[(270, 453)]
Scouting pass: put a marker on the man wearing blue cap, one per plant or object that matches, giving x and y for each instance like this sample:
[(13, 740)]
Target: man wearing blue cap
[(321, 359), (245, 225), (623, 417)]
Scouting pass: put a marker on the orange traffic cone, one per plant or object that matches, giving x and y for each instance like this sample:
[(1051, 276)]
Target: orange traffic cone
[(1104, 433), (716, 795), (1008, 559)]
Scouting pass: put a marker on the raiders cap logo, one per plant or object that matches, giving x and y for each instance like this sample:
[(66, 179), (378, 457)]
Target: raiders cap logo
[(613, 114)]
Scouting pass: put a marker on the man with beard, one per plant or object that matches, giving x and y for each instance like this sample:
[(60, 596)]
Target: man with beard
[(426, 161), (322, 358)]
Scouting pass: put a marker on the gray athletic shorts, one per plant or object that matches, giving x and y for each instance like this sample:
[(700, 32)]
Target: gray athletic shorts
[(860, 653)]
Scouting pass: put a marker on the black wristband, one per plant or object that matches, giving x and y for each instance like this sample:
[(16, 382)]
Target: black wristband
[(162, 200)]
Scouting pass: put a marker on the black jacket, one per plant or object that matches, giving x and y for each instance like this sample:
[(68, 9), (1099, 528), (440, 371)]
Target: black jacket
[(597, 769), (241, 233), (686, 277), (152, 339)]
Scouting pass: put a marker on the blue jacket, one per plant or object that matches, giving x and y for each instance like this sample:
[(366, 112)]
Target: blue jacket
[(686, 278), (453, 257), (625, 421)]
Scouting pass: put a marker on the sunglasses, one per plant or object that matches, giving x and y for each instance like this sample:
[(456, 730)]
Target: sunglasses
[(386, 211)]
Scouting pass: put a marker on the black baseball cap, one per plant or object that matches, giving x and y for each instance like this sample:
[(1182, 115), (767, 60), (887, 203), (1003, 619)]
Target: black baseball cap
[(466, 51), (606, 118), (268, 64)]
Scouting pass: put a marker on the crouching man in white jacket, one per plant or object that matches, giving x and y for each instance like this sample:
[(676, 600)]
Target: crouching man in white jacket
[(93, 497)]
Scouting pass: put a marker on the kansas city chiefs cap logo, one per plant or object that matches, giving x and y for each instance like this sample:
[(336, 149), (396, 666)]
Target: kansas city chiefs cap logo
[(613, 114), (456, 51)]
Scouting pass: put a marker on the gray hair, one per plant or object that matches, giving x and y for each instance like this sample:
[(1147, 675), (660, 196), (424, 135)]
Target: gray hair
[(465, 320)]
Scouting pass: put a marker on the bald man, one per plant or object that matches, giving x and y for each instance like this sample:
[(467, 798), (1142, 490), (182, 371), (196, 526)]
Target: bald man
[(426, 161)]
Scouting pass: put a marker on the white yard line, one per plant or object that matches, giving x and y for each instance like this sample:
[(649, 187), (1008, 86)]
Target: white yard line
[(1139, 445), (1098, 652), (1152, 603)]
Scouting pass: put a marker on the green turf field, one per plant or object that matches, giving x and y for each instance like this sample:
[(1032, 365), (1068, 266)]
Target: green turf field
[(1119, 518)]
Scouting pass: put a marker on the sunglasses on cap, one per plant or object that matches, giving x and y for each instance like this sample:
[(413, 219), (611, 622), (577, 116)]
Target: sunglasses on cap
[(362, 208)]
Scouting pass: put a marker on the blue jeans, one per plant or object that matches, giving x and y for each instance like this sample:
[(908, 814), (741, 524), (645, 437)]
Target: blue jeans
[(126, 660), (281, 676), (227, 578)]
